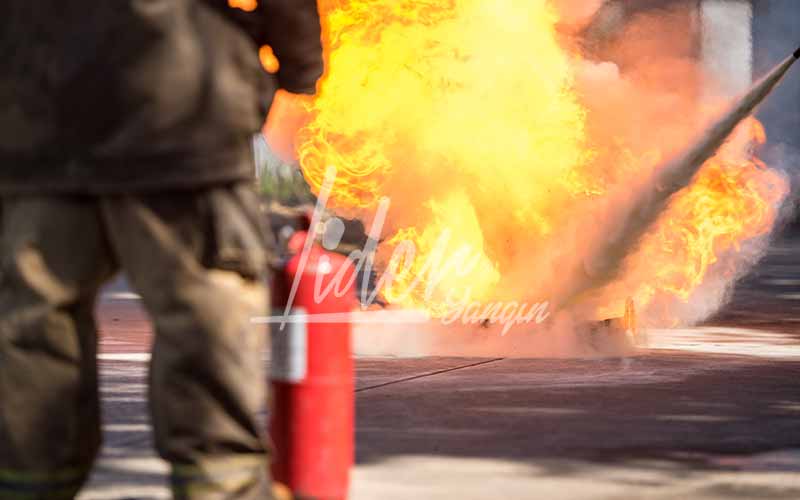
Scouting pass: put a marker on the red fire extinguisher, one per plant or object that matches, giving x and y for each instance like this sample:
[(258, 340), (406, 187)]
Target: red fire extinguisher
[(312, 412)]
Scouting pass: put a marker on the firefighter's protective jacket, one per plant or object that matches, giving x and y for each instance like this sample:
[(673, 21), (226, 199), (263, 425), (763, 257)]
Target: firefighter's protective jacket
[(100, 96)]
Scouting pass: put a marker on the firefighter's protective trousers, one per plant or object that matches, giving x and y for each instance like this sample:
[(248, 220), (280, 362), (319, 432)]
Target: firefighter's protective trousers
[(198, 260)]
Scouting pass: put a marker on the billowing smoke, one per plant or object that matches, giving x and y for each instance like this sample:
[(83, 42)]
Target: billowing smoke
[(674, 97), (635, 213), (774, 25)]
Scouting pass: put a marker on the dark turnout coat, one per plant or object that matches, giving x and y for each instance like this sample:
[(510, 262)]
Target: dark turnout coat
[(104, 96)]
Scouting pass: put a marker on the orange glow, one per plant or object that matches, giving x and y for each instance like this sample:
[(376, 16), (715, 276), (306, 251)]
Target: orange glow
[(268, 59), (245, 5), (288, 114), (497, 152)]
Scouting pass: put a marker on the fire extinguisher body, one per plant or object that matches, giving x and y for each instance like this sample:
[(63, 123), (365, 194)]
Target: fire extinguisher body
[(312, 411)]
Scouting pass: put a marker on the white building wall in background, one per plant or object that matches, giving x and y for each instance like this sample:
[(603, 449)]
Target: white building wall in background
[(726, 46)]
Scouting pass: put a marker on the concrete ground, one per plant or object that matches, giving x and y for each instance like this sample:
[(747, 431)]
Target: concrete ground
[(708, 413)]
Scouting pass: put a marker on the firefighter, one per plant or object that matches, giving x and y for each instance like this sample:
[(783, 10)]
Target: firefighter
[(125, 144)]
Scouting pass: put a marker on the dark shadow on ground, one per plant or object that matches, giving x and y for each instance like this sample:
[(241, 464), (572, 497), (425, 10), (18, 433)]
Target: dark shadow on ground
[(768, 297), (680, 408)]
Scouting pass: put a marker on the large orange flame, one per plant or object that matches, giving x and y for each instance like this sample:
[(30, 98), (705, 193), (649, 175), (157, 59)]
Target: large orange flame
[(467, 116)]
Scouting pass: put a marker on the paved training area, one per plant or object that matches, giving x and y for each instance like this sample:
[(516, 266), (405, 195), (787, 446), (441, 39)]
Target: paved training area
[(709, 413)]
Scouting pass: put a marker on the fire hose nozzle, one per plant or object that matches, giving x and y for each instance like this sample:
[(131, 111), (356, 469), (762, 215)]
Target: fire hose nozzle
[(670, 177)]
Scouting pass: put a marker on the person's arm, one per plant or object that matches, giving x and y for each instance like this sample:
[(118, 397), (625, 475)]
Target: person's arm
[(292, 29)]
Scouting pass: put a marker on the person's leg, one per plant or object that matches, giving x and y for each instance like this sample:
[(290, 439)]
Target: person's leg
[(54, 259), (198, 261)]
